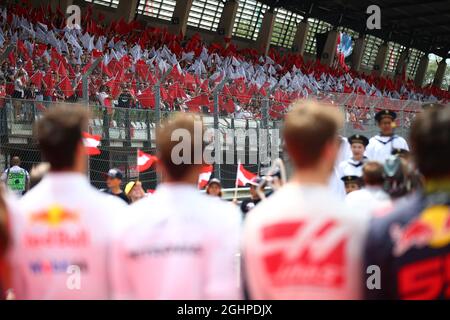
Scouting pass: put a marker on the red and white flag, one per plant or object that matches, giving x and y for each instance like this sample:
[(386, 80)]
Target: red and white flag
[(204, 176), (145, 161), (91, 143), (243, 176)]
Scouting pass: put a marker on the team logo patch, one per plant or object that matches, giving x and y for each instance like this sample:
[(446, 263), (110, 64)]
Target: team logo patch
[(54, 216), (431, 229), (305, 253)]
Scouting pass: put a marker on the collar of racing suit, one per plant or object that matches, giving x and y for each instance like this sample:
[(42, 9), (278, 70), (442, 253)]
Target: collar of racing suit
[(437, 186), (437, 191)]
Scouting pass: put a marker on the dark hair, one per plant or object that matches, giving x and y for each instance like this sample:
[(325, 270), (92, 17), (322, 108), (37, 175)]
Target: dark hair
[(373, 173), (430, 142), (59, 133)]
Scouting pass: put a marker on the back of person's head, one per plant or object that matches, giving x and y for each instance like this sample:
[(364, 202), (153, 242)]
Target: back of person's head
[(430, 142), (373, 173), (308, 129), (15, 161), (180, 145), (59, 134)]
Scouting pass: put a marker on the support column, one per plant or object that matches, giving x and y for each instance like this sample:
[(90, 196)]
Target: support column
[(265, 32), (300, 37), (380, 61), (127, 9), (401, 63), (421, 70), (440, 73), (63, 4), (180, 17), (357, 54), (329, 50), (227, 19)]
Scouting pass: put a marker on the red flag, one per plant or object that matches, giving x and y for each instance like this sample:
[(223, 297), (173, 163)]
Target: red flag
[(96, 53), (66, 87), (48, 79), (145, 161), (113, 86), (62, 70), (105, 70), (243, 176), (147, 98), (12, 58), (91, 143), (37, 79), (28, 67), (141, 69), (23, 50), (204, 176), (195, 103)]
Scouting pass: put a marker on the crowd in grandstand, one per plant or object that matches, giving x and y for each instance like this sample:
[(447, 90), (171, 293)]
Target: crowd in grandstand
[(49, 59)]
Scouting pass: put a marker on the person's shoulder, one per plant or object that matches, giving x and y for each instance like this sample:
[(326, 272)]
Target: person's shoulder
[(358, 194), (275, 204), (216, 211), (403, 211)]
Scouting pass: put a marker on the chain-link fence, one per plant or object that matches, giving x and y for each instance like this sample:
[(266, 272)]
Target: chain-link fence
[(125, 114)]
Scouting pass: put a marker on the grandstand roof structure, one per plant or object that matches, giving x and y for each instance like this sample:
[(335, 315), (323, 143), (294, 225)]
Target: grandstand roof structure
[(422, 24)]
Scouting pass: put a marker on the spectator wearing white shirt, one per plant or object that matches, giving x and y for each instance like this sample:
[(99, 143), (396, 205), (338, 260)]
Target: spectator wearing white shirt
[(381, 146)]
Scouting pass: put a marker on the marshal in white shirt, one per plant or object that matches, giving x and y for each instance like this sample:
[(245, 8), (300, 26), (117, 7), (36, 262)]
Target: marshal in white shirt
[(180, 244), (62, 230)]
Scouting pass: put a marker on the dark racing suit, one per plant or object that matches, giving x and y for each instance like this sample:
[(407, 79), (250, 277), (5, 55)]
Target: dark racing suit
[(411, 246)]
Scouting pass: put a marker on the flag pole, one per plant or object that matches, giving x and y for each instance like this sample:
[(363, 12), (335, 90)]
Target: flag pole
[(137, 164), (236, 183)]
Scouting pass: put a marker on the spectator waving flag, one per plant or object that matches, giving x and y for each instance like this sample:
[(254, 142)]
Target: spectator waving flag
[(145, 161), (204, 176), (91, 143)]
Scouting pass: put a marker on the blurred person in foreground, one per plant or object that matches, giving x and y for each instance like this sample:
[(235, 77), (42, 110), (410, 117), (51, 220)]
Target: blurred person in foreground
[(174, 247), (4, 243), (134, 191), (372, 196), (411, 245), (303, 242), (62, 232), (214, 188)]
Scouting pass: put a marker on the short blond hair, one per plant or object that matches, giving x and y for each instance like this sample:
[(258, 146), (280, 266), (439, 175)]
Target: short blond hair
[(308, 127), (165, 145)]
